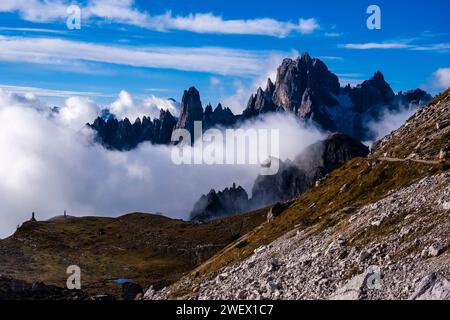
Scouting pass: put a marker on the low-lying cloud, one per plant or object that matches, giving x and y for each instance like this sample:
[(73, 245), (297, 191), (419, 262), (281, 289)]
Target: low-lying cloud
[(390, 121), (50, 164)]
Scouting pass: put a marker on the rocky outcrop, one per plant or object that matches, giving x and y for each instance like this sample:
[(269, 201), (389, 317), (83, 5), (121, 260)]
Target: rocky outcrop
[(305, 87), (289, 182), (292, 179), (123, 135), (432, 287), (277, 209), (164, 127), (221, 116), (415, 97), (372, 94), (13, 289), (260, 103), (349, 259), (312, 164), (191, 111), (227, 202)]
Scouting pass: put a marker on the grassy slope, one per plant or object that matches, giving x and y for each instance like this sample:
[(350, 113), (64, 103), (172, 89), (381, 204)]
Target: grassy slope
[(149, 249), (419, 135), (368, 180)]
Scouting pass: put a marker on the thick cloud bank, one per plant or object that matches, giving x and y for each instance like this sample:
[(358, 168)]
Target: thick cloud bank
[(49, 164)]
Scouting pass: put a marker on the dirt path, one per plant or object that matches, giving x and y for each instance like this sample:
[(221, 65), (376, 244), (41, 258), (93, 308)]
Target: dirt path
[(404, 160)]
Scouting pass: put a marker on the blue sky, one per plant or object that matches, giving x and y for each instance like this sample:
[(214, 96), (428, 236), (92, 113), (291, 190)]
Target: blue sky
[(224, 48)]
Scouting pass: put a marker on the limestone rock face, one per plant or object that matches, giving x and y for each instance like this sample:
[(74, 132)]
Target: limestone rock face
[(221, 116), (294, 77), (306, 88), (292, 179), (432, 287), (191, 111), (123, 135), (227, 202), (312, 164), (375, 92)]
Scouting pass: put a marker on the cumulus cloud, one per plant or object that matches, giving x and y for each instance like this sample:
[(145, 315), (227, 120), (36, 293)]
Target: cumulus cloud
[(50, 164), (126, 107), (125, 12), (76, 111), (441, 78)]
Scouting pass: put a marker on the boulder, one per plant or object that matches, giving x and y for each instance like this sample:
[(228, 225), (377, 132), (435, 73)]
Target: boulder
[(432, 287), (277, 210), (357, 287)]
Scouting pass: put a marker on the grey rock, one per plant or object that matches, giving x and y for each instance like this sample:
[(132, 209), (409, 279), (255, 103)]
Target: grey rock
[(432, 287)]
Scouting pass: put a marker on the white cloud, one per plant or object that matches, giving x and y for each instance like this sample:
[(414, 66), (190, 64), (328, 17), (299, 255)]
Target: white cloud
[(48, 166), (375, 45), (214, 81), (333, 34), (441, 78), (156, 89), (36, 10), (210, 23), (124, 12), (390, 121), (306, 26), (203, 59), (76, 111), (126, 107), (41, 92), (438, 47), (331, 58), (36, 30)]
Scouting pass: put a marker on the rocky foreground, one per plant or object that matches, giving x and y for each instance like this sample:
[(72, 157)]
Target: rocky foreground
[(410, 259), (376, 228)]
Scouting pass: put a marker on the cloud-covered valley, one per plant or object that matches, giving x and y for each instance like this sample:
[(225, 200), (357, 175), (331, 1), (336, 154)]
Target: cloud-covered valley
[(49, 163)]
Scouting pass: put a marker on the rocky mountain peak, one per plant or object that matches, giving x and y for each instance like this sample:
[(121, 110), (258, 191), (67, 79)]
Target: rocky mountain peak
[(312, 164), (305, 57), (208, 109), (191, 111), (306, 87), (296, 76), (372, 93), (123, 135), (270, 87), (227, 202)]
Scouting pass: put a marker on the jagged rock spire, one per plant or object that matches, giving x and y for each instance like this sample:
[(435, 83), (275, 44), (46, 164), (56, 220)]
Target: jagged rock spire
[(191, 111)]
